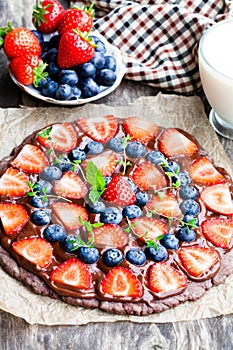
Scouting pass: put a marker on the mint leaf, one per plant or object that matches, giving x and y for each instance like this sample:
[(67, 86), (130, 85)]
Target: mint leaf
[(96, 180), (94, 195)]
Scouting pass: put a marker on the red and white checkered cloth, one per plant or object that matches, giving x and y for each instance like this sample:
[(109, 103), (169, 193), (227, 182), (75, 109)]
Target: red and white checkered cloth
[(159, 39)]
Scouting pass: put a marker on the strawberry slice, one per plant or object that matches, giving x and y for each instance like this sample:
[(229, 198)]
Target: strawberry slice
[(100, 129), (217, 198), (34, 249), (69, 214), (203, 172), (140, 129), (72, 272), (121, 282), (147, 176), (119, 192), (30, 159), (13, 183), (173, 143), (14, 217), (149, 228), (219, 231), (165, 204), (110, 235), (106, 162), (164, 278), (61, 137), (70, 186), (198, 260)]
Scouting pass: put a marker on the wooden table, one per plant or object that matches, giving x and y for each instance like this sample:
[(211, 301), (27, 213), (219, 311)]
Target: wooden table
[(15, 333)]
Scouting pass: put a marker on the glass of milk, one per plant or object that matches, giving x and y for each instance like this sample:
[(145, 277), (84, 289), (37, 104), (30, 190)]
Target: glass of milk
[(216, 72)]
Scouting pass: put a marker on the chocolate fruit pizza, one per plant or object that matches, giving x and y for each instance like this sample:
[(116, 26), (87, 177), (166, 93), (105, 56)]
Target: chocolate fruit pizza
[(114, 213)]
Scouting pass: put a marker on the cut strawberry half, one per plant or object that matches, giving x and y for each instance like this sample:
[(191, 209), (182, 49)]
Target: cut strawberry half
[(203, 172), (164, 278), (13, 183), (14, 217), (70, 214), (165, 205), (72, 272), (61, 137), (34, 249), (30, 159), (173, 143), (70, 186), (147, 176), (149, 228), (140, 129), (218, 199), (100, 129), (121, 282), (198, 260), (106, 162), (119, 192), (110, 235), (219, 231)]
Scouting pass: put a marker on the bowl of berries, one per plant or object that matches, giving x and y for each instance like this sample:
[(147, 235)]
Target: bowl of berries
[(62, 61)]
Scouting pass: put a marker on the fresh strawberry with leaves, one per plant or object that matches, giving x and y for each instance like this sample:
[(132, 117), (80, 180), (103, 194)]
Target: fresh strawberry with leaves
[(77, 18), (30, 159), (164, 204), (72, 272), (198, 260), (173, 142), (203, 172), (147, 176), (106, 162), (13, 217), (46, 16), (148, 228), (217, 198), (34, 249), (139, 129), (70, 186), (70, 214), (74, 48), (110, 235), (100, 129), (121, 282), (60, 137), (119, 192), (164, 278), (13, 183), (219, 231)]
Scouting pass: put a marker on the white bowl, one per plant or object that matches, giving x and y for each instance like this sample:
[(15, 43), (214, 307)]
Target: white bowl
[(104, 90)]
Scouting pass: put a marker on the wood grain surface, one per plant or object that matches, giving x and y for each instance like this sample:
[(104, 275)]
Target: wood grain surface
[(15, 333)]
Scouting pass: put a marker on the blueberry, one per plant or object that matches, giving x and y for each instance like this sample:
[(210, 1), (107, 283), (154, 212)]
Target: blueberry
[(132, 185), (54, 41), (110, 63), (100, 47), (66, 243), (75, 93), (53, 70), (115, 144), (77, 154), (54, 233), (64, 164), (49, 90), (188, 192), (67, 76), (159, 254), (98, 60), (41, 217), (38, 202), (142, 198), (155, 157), (135, 149), (111, 215), (189, 206), (172, 167), (131, 211), (94, 147), (136, 256), (96, 207), (44, 47), (184, 178), (63, 92), (107, 180), (186, 234), (43, 83), (105, 77), (86, 70), (88, 255), (112, 257), (187, 218), (51, 173), (51, 55), (88, 87), (170, 241), (44, 187), (39, 35)]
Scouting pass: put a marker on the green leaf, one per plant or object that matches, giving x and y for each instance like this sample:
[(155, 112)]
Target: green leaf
[(94, 195)]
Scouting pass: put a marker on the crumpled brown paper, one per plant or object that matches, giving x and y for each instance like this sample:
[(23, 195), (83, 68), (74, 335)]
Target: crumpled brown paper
[(166, 110)]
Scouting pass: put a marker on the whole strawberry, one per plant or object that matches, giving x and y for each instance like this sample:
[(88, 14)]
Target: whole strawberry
[(46, 16), (77, 18), (74, 48)]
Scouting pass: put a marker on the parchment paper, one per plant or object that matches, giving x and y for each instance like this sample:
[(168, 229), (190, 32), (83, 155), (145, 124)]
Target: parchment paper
[(167, 110)]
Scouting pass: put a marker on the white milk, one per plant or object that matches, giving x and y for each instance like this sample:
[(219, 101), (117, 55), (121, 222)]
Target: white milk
[(216, 68)]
